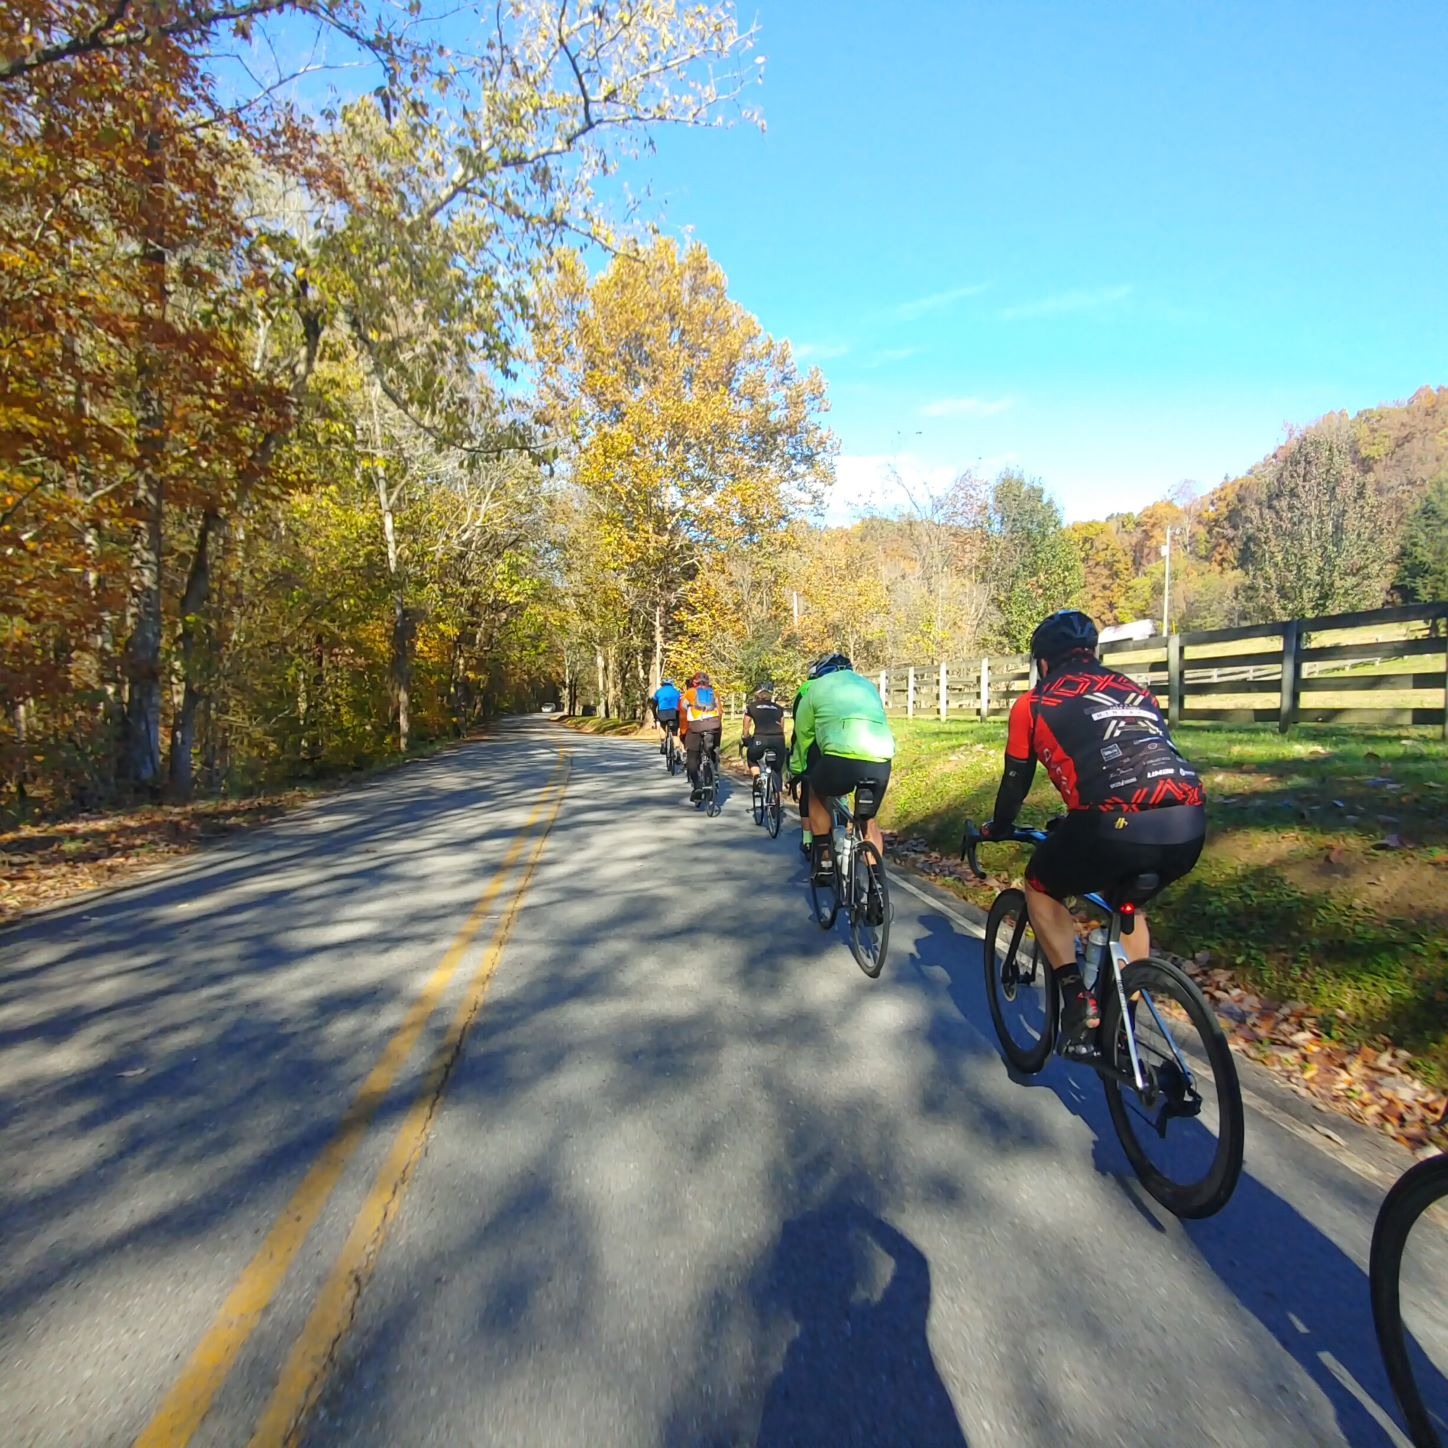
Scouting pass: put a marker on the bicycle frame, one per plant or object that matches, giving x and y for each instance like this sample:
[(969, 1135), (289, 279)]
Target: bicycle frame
[(1116, 953)]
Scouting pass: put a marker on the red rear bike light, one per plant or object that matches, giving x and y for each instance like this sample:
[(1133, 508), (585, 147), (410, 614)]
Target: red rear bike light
[(1128, 908)]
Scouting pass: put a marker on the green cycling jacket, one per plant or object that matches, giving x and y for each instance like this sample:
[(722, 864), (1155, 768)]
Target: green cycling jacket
[(842, 713)]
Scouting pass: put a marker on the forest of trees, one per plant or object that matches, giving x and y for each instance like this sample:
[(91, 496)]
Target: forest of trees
[(332, 426)]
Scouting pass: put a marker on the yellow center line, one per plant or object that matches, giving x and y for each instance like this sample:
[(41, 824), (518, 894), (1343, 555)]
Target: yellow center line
[(190, 1398), (305, 1373)]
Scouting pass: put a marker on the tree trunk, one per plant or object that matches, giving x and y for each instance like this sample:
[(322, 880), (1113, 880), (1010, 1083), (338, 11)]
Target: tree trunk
[(19, 723), (143, 648), (656, 675), (193, 604)]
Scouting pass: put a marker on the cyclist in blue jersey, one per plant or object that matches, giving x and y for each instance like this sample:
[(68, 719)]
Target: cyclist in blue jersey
[(664, 705)]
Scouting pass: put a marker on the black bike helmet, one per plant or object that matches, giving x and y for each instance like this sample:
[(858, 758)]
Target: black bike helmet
[(828, 664), (1068, 632), (764, 689)]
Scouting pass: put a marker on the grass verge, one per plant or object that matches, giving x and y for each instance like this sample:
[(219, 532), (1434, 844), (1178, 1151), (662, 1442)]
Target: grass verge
[(1324, 881)]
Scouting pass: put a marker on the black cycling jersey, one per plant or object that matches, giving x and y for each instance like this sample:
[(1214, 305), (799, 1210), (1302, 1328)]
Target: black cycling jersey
[(768, 719), (1102, 739)]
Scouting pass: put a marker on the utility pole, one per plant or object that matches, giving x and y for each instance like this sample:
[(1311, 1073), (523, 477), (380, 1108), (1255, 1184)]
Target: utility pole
[(1166, 587)]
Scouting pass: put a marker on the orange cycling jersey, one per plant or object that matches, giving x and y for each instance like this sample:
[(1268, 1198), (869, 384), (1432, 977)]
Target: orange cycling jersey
[(698, 706)]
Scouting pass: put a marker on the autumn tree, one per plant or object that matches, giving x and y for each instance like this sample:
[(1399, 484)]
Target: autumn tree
[(690, 434), (1106, 570)]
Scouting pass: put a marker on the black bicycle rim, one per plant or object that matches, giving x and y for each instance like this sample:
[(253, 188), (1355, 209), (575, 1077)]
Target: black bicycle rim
[(1184, 1137), (1412, 1195), (774, 811), (1023, 1011), (870, 911), (756, 791)]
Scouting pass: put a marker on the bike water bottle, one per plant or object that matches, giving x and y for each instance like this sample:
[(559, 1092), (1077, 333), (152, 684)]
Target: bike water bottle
[(1095, 956), (842, 845)]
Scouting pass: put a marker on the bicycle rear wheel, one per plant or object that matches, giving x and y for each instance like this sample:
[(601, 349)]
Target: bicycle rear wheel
[(673, 760), (1183, 1134), (870, 911), (709, 784), (773, 806), (1019, 985), (1408, 1280), (756, 796)]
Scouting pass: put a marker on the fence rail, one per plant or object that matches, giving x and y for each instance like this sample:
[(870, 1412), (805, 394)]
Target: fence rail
[(1319, 670)]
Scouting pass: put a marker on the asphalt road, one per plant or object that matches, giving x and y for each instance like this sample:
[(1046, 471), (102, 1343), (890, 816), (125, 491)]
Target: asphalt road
[(690, 1178)]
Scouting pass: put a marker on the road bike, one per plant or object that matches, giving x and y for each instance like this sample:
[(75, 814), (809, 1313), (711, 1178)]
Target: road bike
[(708, 799), (1160, 1051), (854, 878), (767, 793), (1408, 1283), (669, 748)]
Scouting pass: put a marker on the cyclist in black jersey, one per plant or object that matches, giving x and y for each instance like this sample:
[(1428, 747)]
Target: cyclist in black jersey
[(1134, 804), (763, 728)]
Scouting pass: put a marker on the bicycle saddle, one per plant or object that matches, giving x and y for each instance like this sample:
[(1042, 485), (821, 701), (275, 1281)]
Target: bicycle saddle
[(1134, 889)]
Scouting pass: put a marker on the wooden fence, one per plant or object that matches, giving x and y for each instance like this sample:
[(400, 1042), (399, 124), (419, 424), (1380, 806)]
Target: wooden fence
[(1386, 667)]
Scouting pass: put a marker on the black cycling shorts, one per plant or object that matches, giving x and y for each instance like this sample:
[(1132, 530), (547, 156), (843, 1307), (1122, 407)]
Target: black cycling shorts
[(1092, 851), (833, 776), (756, 746), (668, 719), (694, 739)]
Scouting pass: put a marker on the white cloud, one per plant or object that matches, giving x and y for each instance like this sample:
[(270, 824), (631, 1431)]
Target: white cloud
[(1082, 300), (820, 351), (966, 407), (912, 311), (871, 482)]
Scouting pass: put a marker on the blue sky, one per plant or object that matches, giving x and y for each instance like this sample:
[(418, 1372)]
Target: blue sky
[(1118, 244)]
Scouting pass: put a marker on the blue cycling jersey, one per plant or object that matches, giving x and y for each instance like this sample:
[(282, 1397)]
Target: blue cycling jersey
[(667, 699)]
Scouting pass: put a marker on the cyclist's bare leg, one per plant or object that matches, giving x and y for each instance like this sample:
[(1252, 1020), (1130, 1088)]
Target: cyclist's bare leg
[(1138, 944), (1055, 928)]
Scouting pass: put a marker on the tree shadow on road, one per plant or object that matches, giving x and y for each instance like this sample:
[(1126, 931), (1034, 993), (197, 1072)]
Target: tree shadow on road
[(859, 1368), (1309, 1293)]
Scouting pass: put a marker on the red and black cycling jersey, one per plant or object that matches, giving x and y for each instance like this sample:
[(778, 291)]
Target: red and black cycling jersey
[(1103, 741)]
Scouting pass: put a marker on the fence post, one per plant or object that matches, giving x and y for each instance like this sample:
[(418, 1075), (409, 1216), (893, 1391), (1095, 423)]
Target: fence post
[(1445, 688), (984, 689), (1291, 659), (1174, 680), (910, 692), (944, 693), (885, 687)]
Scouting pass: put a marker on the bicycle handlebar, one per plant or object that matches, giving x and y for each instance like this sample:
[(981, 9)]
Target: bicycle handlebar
[(972, 840)]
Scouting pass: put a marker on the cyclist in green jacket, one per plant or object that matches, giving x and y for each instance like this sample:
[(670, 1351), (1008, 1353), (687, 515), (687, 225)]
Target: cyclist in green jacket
[(841, 741)]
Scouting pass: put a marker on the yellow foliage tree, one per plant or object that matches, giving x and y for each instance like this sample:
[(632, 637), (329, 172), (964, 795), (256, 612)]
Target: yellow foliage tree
[(690, 434)]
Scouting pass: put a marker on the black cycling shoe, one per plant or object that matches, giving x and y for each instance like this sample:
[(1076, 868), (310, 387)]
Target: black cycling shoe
[(1080, 1015), (824, 864)]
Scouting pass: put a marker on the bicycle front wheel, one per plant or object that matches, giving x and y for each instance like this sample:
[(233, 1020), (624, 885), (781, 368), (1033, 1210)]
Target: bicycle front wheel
[(1408, 1279), (1019, 985), (1183, 1132), (773, 807), (869, 909)]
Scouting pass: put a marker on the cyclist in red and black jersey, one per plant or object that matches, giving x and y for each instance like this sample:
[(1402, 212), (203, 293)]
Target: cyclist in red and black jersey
[(1135, 805)]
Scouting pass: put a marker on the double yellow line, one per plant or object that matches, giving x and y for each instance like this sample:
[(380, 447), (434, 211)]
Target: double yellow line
[(190, 1399)]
